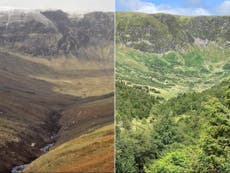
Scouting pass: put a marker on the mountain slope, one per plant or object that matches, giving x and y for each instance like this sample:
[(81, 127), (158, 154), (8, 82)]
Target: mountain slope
[(51, 87), (92, 152), (172, 83), (168, 74), (201, 127), (160, 33), (179, 67), (56, 33), (188, 133)]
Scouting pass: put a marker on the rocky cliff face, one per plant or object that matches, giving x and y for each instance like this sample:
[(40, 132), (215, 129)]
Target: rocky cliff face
[(54, 33), (160, 33)]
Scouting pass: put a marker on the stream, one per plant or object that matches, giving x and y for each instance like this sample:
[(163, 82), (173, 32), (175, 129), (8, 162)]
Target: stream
[(54, 117), (20, 168), (53, 128)]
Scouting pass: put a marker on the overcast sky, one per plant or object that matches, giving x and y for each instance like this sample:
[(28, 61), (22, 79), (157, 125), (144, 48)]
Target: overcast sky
[(66, 5), (180, 7)]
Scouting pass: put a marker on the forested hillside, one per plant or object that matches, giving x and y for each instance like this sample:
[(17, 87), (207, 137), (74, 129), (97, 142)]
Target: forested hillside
[(188, 133), (173, 94)]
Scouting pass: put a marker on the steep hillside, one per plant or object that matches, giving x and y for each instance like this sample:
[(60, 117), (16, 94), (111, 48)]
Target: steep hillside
[(177, 54), (92, 152), (90, 114), (197, 68), (52, 88), (160, 33), (172, 91), (53, 33), (188, 133)]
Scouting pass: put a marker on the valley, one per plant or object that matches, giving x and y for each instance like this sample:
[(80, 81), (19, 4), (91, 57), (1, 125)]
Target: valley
[(53, 92), (172, 93), (172, 73), (188, 57)]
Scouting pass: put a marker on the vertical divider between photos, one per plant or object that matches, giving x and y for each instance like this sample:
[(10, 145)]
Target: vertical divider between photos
[(114, 58)]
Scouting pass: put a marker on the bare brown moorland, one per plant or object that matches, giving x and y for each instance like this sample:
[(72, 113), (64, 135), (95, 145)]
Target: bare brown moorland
[(56, 89)]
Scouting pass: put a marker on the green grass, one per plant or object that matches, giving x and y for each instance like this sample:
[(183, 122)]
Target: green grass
[(163, 32), (197, 68), (186, 130)]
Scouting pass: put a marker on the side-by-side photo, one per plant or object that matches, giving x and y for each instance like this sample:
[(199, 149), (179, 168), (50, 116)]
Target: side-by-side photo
[(115, 86), (56, 86), (172, 86)]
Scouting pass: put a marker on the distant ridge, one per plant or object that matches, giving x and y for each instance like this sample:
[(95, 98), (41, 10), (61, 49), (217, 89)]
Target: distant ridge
[(57, 33), (160, 33)]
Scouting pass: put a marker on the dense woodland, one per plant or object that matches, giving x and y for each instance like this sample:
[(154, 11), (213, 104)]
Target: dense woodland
[(187, 133)]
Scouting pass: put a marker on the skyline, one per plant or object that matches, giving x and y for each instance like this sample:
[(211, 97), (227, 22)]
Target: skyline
[(67, 5), (178, 7)]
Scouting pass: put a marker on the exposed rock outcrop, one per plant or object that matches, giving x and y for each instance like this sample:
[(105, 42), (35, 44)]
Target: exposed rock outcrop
[(56, 33), (160, 33)]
